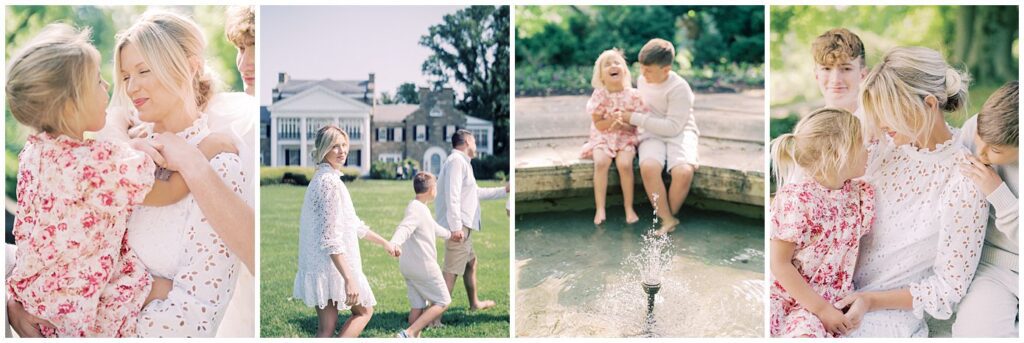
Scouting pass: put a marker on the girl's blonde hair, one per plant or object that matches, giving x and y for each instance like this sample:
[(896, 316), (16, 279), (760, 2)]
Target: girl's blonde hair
[(596, 79), (168, 43), (820, 144), (50, 79), (325, 138), (893, 94)]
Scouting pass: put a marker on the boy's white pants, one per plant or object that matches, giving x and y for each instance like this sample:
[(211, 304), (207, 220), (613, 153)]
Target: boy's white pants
[(990, 307)]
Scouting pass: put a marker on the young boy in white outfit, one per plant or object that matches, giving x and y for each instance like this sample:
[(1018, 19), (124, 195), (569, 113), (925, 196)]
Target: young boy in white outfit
[(990, 307), (428, 294), (668, 134)]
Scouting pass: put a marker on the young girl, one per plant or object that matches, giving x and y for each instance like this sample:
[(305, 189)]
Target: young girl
[(74, 268), (817, 223), (330, 274), (611, 138)]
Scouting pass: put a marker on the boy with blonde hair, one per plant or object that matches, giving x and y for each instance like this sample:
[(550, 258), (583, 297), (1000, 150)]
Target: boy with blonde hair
[(839, 66)]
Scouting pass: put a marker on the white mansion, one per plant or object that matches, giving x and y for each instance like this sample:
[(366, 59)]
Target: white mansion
[(377, 132)]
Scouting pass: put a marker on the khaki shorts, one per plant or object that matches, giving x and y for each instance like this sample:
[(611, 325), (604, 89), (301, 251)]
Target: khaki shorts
[(423, 293), (458, 254)]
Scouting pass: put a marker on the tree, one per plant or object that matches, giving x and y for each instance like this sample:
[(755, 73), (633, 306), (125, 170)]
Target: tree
[(386, 99), (407, 94), (471, 48), (983, 41)]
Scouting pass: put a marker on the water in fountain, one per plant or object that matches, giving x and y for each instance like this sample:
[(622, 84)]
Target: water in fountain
[(574, 279)]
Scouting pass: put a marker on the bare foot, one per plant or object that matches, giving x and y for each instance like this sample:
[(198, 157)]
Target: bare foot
[(631, 217), (599, 216), (482, 305), (667, 226)]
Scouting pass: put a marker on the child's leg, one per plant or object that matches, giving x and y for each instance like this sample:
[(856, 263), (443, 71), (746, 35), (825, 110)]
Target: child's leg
[(624, 162), (990, 307), (682, 178), (357, 322), (650, 171), (602, 161), (414, 313), (431, 313), (328, 318)]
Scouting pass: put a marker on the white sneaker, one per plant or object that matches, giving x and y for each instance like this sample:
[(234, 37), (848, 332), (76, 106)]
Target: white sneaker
[(402, 334)]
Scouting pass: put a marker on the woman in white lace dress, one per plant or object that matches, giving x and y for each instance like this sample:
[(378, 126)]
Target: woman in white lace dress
[(930, 219), (330, 274)]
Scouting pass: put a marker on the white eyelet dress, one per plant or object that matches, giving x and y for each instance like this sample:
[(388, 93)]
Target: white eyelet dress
[(329, 225), (927, 237), (176, 242)]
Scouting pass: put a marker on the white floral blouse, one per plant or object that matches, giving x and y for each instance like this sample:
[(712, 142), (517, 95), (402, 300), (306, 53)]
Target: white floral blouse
[(928, 233), (176, 242)]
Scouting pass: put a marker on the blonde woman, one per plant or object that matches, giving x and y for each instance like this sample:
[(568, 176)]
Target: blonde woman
[(930, 219), (330, 271)]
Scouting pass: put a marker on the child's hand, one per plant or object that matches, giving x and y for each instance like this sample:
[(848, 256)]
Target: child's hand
[(856, 312), (393, 250), (983, 176), (456, 236), (834, 321)]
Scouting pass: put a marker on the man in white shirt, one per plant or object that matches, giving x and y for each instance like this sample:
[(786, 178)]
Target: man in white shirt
[(458, 209), (839, 68)]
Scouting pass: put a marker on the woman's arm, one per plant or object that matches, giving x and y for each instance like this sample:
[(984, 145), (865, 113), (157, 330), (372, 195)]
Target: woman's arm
[(963, 219), (351, 290), (794, 284), (229, 215), (206, 277), (172, 190)]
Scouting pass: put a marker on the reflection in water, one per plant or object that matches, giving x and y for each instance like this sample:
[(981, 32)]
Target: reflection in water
[(575, 279)]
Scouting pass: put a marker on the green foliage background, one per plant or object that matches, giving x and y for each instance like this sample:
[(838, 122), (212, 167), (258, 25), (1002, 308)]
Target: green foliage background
[(719, 46)]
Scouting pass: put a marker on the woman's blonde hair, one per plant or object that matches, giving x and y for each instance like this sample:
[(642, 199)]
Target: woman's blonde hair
[(596, 79), (893, 94), (325, 138), (169, 43), (49, 80), (820, 144)]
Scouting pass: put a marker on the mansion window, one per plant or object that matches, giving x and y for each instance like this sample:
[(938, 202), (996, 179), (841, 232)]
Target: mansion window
[(422, 133)]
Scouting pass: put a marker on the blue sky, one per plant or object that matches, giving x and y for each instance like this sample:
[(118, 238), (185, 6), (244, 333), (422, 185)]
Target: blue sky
[(345, 43)]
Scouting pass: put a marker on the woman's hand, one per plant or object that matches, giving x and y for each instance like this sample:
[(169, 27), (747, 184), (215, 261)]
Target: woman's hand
[(983, 176), (24, 323), (177, 152), (834, 321), (859, 306), (351, 293), (149, 148)]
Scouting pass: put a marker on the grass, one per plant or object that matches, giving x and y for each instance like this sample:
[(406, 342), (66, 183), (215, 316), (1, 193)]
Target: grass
[(381, 205)]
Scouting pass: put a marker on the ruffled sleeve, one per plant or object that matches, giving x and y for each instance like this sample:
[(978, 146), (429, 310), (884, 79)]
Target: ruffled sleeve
[(867, 206), (116, 176), (598, 103), (964, 215), (791, 217)]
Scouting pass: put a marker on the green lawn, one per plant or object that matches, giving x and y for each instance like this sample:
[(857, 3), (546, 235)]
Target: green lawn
[(381, 205)]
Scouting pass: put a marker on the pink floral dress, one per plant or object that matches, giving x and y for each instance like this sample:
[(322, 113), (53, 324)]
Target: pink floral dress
[(74, 267), (826, 226), (605, 103)]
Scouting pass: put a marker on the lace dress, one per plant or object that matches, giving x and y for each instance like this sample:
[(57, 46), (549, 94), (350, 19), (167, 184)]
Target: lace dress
[(74, 267), (176, 242), (328, 225), (929, 228), (605, 103), (826, 226)]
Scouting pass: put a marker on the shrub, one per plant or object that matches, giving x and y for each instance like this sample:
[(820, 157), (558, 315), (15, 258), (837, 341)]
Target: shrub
[(487, 167), (298, 175)]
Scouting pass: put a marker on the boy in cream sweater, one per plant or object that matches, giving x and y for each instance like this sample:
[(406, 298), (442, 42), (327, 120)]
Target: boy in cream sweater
[(990, 307), (668, 134), (428, 295)]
